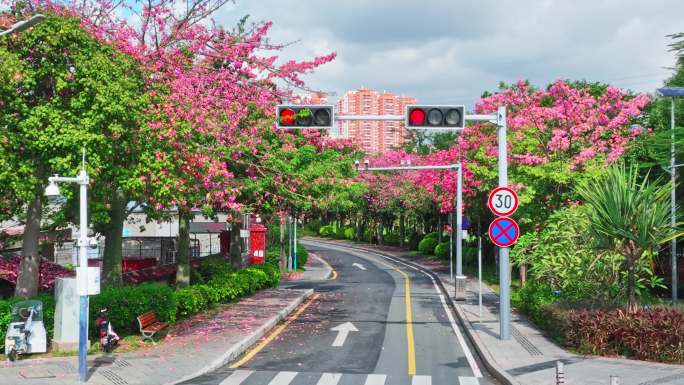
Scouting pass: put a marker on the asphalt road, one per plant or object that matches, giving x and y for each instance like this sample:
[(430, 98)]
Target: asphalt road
[(390, 339)]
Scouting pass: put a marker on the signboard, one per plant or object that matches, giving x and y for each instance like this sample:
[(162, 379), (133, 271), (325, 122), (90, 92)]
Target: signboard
[(503, 201), (504, 231)]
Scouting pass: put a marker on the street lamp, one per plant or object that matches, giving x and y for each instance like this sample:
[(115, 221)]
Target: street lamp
[(23, 25), (672, 93), (52, 190)]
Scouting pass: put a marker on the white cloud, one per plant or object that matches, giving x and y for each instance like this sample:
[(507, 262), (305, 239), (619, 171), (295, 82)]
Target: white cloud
[(452, 51)]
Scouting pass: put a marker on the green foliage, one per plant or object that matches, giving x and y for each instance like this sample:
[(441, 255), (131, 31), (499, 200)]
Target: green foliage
[(349, 233), (326, 231), (434, 235), (125, 303), (442, 250), (427, 245), (213, 265), (302, 255), (627, 215)]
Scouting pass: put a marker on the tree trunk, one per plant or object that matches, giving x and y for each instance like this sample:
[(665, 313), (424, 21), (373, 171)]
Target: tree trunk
[(439, 228), (379, 230), (402, 229), (183, 259), (523, 274), (111, 268), (631, 296), (29, 267), (235, 250), (283, 256)]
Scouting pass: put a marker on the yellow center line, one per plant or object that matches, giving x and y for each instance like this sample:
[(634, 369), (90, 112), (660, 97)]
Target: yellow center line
[(411, 350), (249, 355), (334, 273)]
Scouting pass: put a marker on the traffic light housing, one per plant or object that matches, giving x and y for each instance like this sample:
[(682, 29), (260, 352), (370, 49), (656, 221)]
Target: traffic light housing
[(304, 116), (435, 117)]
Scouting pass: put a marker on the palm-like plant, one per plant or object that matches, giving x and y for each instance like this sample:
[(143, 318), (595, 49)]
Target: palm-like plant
[(628, 215)]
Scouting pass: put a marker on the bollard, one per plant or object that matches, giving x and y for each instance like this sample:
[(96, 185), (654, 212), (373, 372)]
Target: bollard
[(560, 373), (614, 380)]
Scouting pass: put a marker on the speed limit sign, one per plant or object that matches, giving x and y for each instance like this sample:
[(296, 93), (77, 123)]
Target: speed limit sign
[(503, 201)]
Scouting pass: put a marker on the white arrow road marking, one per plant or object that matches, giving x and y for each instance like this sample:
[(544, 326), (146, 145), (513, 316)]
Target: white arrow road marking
[(360, 266), (237, 377), (343, 330), (375, 379), (329, 379), (468, 381), (283, 378), (421, 380)]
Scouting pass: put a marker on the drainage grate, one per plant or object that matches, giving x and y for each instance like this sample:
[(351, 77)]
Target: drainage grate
[(123, 363), (113, 377), (665, 380), (522, 340)]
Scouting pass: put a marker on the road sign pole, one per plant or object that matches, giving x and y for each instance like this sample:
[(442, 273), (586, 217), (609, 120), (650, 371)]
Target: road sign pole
[(459, 221), (504, 279)]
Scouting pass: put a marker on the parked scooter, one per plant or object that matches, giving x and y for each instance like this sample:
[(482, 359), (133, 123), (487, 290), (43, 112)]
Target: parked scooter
[(108, 338), (26, 332)]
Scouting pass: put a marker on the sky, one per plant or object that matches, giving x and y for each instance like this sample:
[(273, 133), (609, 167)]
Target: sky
[(450, 51)]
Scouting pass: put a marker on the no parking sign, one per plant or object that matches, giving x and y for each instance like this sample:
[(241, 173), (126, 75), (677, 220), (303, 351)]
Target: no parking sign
[(504, 231)]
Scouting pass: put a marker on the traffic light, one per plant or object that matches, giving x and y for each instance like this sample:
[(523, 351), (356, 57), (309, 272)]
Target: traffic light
[(435, 117), (304, 116)]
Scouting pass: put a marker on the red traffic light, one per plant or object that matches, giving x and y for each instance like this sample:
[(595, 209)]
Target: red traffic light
[(304, 116), (435, 117), (417, 117), (286, 116)]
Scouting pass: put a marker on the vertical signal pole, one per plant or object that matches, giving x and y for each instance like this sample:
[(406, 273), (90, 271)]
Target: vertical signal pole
[(504, 279)]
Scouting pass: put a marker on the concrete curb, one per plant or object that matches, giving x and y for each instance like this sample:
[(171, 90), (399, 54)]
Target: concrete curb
[(482, 351), (327, 266), (237, 349)]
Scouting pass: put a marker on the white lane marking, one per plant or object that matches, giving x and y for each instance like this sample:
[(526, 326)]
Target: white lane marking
[(283, 378), (360, 266), (342, 332), (375, 379), (459, 336), (329, 379), (421, 380), (237, 377), (468, 381)]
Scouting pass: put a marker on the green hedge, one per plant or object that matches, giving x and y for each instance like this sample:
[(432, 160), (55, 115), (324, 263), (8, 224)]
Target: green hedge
[(427, 246), (442, 250), (125, 303), (302, 255), (349, 233), (326, 231)]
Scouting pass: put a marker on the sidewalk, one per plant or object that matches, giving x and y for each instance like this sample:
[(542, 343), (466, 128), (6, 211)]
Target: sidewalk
[(316, 269), (192, 347), (529, 358)]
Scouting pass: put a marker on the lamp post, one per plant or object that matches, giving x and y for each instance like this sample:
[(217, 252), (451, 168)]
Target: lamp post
[(672, 93), (23, 25), (52, 190)]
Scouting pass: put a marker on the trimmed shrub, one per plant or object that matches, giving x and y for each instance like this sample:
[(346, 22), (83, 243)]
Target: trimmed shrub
[(302, 255), (434, 236), (213, 265), (442, 250), (427, 246), (392, 239), (125, 303), (339, 233), (326, 231), (349, 233), (191, 299)]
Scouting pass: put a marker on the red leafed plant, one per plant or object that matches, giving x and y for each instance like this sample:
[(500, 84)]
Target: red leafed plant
[(49, 272), (655, 334)]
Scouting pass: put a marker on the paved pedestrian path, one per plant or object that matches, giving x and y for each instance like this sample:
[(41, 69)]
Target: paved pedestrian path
[(529, 357), (191, 348)]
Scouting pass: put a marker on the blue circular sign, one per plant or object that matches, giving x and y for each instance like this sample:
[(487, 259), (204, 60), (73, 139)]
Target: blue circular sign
[(504, 231)]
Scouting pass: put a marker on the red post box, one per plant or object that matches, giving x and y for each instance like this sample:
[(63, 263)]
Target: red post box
[(257, 244)]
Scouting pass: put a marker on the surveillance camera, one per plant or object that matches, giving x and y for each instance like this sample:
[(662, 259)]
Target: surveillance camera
[(92, 242)]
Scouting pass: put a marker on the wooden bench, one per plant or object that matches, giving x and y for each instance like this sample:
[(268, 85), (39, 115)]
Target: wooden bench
[(149, 325)]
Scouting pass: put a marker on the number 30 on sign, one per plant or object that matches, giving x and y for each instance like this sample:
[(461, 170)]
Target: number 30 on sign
[(503, 201)]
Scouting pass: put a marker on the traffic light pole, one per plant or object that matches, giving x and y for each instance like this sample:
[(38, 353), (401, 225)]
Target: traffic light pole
[(504, 277)]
